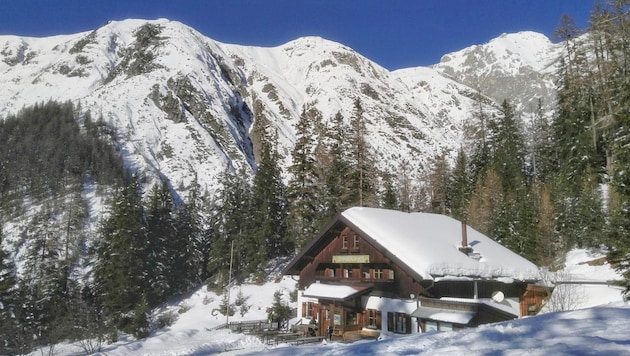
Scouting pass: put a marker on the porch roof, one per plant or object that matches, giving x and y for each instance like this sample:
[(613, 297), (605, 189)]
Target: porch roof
[(446, 315), (336, 291)]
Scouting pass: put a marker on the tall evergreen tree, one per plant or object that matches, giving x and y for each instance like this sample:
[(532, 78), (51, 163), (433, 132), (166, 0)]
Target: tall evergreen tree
[(162, 245), (541, 143), (390, 198), (193, 245), (120, 269), (8, 303), (438, 184), (269, 207), (549, 245), (337, 193), (508, 148), (304, 188), (45, 280), (476, 134), (486, 203), (231, 221), (360, 178), (459, 188)]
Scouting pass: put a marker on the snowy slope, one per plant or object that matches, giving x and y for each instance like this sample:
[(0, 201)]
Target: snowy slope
[(598, 326)]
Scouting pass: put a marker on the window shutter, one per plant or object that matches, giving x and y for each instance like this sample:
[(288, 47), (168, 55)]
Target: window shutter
[(303, 309)]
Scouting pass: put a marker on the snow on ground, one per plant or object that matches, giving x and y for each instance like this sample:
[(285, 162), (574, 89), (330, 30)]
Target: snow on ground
[(599, 327)]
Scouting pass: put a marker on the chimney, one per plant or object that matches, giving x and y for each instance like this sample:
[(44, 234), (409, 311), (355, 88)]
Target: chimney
[(464, 248), (464, 235)]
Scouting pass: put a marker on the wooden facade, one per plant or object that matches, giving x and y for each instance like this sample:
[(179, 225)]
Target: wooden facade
[(350, 258), (533, 299)]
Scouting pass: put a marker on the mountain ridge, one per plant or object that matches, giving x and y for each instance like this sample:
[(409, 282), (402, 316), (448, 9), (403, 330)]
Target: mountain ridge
[(176, 91)]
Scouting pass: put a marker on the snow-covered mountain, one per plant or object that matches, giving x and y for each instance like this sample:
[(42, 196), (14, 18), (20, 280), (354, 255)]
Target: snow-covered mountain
[(519, 67), (184, 104)]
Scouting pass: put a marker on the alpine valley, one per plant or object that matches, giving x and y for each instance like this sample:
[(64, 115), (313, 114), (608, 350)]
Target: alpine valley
[(185, 112)]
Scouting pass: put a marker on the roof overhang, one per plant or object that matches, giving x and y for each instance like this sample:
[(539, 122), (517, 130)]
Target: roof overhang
[(336, 292), (446, 315)]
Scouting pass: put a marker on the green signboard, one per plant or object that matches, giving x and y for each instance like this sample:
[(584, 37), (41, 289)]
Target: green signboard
[(351, 259)]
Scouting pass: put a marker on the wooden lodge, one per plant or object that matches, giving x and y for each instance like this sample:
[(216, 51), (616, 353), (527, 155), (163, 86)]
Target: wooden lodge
[(385, 270)]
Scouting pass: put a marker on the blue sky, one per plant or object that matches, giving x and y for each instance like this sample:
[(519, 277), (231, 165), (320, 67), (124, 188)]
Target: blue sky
[(394, 33)]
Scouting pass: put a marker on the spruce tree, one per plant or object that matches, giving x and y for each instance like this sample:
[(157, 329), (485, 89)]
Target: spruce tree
[(8, 303), (162, 245), (120, 270), (269, 208), (390, 198), (191, 253), (459, 188), (508, 148), (337, 194), (230, 222), (360, 179), (438, 184), (540, 149), (303, 190), (476, 134)]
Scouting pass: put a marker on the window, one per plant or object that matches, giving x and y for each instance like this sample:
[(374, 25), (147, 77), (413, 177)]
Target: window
[(390, 274), (351, 318), (399, 323), (347, 272), (356, 242), (344, 242), (432, 325), (309, 310), (365, 271), (373, 319), (378, 273), (331, 272)]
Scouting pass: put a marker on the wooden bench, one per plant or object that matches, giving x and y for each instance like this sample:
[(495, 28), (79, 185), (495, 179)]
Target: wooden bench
[(307, 340), (337, 334), (287, 337)]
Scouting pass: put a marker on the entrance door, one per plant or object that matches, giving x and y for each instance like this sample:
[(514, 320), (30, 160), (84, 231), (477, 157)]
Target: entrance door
[(324, 321)]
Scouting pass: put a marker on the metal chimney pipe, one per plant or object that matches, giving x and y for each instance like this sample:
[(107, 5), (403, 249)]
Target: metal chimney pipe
[(464, 235)]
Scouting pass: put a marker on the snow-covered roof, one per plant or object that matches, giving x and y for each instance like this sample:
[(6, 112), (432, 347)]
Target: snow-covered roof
[(429, 245), (442, 314), (335, 291)]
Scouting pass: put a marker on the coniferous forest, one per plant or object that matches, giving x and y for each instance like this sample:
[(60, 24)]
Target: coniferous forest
[(539, 188)]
